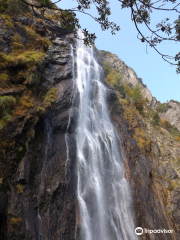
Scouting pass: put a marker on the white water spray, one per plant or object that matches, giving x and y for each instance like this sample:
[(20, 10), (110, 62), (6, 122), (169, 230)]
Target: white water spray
[(103, 192)]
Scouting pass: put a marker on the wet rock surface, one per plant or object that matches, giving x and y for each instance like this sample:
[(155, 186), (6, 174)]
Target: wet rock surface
[(37, 176), (59, 58)]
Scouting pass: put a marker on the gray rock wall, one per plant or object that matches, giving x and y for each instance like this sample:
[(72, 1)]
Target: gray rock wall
[(172, 114), (130, 77)]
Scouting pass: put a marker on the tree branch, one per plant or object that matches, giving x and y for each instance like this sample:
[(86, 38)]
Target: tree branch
[(145, 39)]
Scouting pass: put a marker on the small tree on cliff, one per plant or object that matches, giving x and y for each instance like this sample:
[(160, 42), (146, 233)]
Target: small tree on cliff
[(156, 119), (138, 98), (137, 93), (135, 97)]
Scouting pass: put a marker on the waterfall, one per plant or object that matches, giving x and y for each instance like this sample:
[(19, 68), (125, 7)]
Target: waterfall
[(103, 192)]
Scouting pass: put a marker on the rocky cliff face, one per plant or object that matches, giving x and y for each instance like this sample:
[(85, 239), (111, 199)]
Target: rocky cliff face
[(150, 174), (152, 152), (37, 177), (172, 113), (37, 169), (129, 76)]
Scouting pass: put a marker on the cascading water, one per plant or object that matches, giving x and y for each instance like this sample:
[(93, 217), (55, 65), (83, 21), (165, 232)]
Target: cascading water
[(103, 192)]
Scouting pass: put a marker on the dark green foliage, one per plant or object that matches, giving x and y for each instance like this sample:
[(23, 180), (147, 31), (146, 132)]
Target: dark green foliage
[(156, 119), (170, 128), (6, 102), (138, 99), (44, 2), (121, 90), (13, 7), (135, 96), (137, 93), (139, 104), (69, 20), (3, 5), (163, 107), (174, 131), (174, 101), (6, 105), (17, 7)]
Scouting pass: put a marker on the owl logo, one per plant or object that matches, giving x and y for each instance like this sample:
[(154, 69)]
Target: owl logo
[(138, 231)]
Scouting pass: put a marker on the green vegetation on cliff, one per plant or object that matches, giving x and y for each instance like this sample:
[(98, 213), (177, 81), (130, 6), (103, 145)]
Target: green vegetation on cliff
[(114, 78), (134, 104), (13, 7), (6, 105), (162, 107), (21, 61), (156, 119), (135, 96)]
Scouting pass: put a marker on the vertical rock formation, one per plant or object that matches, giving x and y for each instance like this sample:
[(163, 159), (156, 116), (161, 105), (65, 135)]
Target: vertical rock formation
[(37, 187)]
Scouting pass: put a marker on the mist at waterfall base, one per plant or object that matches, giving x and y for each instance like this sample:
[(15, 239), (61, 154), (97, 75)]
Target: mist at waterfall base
[(103, 193)]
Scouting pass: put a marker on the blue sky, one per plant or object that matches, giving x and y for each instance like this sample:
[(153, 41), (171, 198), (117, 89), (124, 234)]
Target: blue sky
[(159, 76)]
